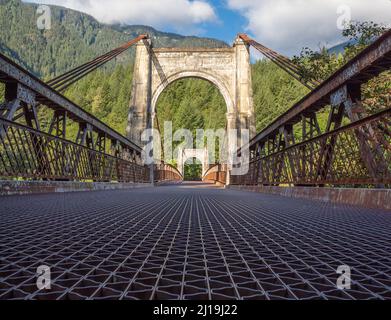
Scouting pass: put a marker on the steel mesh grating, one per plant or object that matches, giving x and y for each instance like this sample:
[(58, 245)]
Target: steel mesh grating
[(190, 243)]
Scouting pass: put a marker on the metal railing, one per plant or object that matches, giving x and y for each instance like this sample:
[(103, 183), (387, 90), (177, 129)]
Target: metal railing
[(166, 172), (216, 174), (28, 153), (334, 158)]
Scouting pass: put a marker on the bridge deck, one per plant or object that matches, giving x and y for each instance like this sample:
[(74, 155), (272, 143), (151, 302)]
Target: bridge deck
[(190, 242)]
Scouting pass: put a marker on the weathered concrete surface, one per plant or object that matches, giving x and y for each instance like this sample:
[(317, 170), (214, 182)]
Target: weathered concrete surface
[(8, 187), (186, 154), (367, 198), (227, 68)]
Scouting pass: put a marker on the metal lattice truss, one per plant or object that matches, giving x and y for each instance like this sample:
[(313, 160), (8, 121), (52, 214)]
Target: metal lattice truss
[(28, 153), (353, 149), (335, 157), (97, 152)]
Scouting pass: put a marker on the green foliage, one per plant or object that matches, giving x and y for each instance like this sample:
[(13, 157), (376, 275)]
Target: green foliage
[(195, 103), (317, 65), (76, 38), (106, 94), (192, 104), (2, 92), (377, 92), (360, 35), (73, 39), (320, 65), (193, 170), (274, 92)]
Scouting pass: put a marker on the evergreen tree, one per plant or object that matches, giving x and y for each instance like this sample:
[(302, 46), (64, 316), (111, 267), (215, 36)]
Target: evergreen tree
[(190, 103)]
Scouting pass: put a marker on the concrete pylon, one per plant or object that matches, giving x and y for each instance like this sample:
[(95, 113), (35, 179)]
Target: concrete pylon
[(229, 69), (140, 104)]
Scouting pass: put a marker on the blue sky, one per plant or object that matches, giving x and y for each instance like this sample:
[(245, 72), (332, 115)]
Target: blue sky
[(284, 25), (228, 24)]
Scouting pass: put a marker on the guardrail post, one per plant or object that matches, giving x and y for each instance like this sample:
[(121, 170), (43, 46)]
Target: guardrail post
[(152, 173)]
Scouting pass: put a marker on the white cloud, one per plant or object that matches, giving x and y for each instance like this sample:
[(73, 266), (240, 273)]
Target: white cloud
[(181, 15), (289, 25)]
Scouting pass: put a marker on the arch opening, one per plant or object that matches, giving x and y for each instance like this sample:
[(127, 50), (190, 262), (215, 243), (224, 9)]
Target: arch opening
[(188, 105), (230, 108), (155, 69), (193, 170)]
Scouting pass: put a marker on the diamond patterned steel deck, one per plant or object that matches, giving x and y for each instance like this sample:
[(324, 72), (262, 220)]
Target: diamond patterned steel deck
[(188, 242)]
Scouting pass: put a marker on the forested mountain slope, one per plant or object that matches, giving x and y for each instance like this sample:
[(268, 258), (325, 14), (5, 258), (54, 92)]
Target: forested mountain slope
[(76, 38)]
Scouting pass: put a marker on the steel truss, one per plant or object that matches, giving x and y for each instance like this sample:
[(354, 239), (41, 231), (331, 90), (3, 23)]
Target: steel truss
[(353, 149)]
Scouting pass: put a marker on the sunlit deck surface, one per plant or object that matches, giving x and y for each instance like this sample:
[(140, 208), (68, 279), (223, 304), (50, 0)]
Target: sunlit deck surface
[(191, 241)]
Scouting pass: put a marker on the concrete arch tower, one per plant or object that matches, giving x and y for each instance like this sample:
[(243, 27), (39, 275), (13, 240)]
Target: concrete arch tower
[(229, 69)]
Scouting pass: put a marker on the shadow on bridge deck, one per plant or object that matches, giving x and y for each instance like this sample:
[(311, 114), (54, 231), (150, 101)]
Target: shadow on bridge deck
[(191, 241)]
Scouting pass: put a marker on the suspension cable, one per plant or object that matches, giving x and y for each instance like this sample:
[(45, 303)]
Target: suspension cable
[(281, 61), (65, 80)]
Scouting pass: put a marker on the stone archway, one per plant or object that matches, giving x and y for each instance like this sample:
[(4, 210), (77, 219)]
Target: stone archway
[(157, 91), (227, 68), (186, 154)]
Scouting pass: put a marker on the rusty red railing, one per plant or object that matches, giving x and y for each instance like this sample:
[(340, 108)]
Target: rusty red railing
[(166, 172), (333, 158), (216, 174), (351, 148), (29, 153)]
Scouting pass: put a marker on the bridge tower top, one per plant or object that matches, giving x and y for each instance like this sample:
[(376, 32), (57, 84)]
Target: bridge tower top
[(227, 68)]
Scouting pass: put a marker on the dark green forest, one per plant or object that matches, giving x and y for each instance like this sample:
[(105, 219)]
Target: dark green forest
[(195, 103), (106, 94), (190, 103), (193, 170), (76, 38)]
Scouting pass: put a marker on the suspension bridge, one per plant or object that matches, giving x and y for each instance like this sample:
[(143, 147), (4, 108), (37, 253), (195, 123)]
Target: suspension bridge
[(314, 198)]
